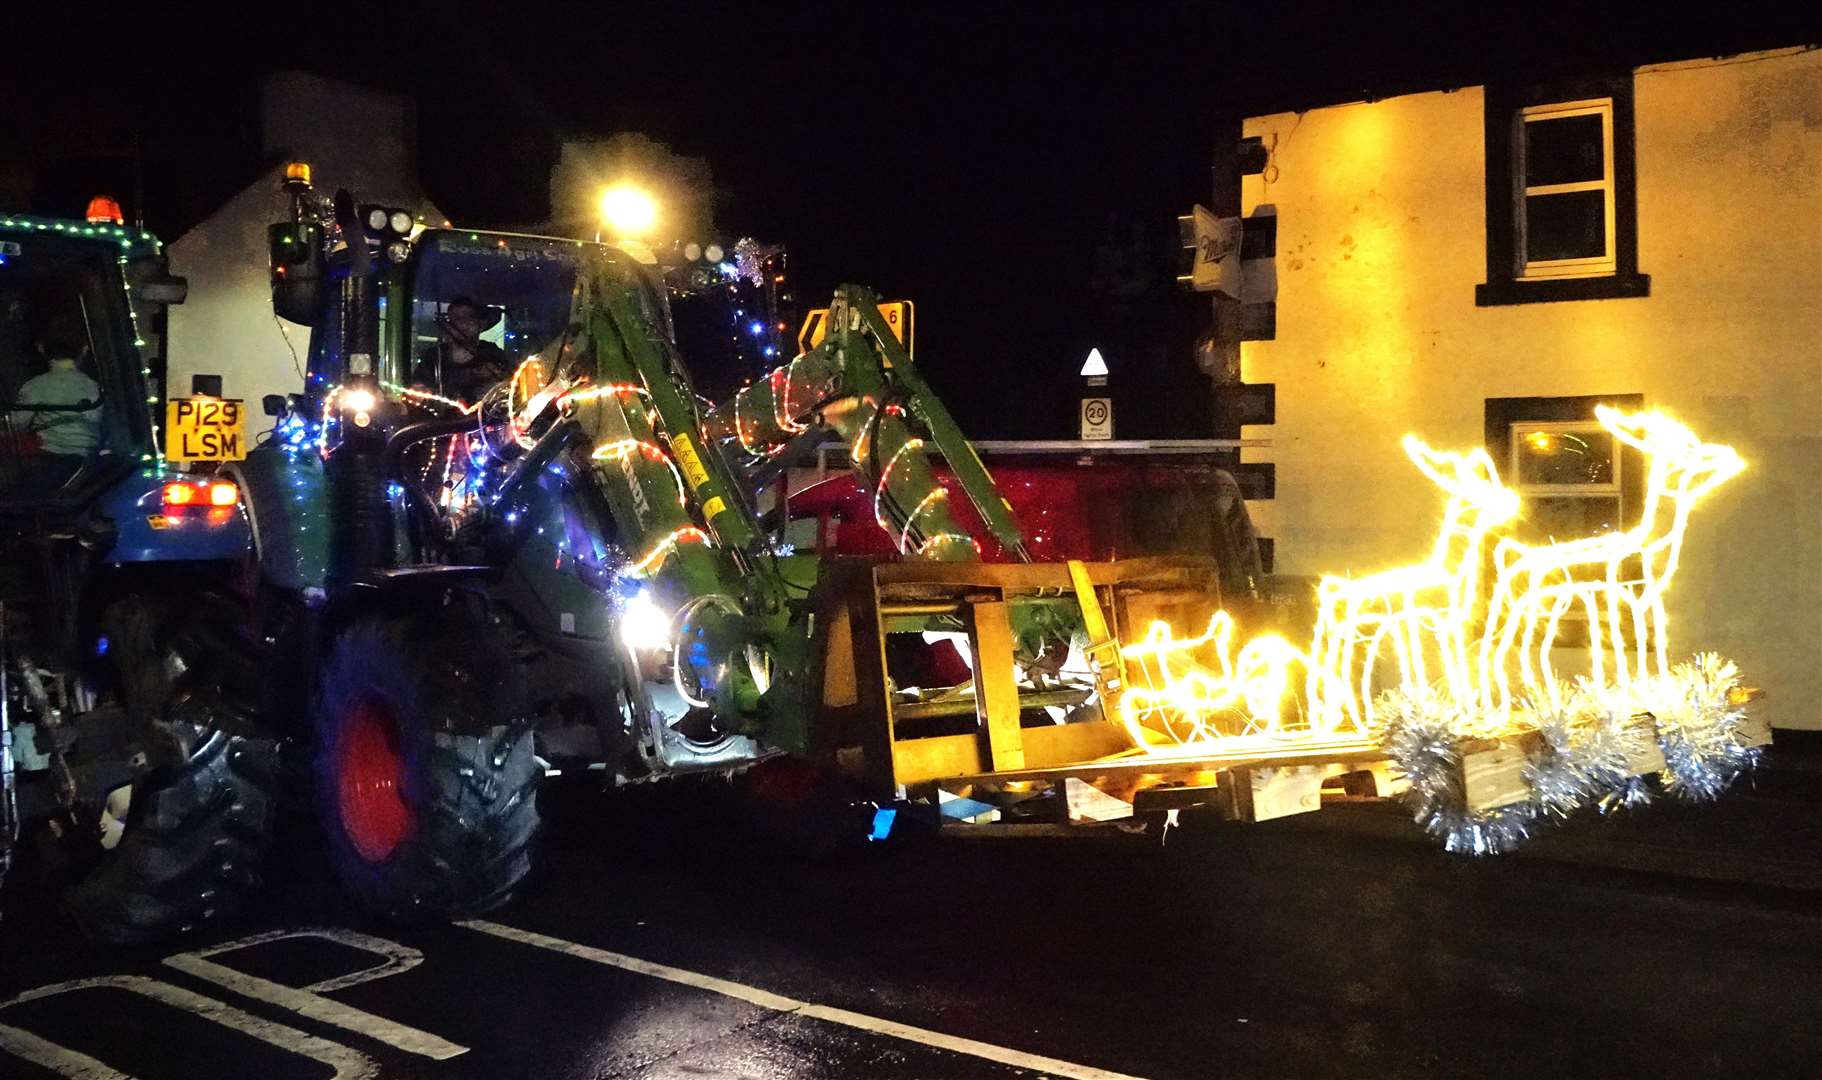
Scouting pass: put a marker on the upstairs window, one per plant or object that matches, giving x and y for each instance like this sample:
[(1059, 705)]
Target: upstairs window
[(1562, 220), (1563, 190)]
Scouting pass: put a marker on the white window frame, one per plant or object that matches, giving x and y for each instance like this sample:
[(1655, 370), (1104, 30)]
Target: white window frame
[(1521, 428), (1607, 264)]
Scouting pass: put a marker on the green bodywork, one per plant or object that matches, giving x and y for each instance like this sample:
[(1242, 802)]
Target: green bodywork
[(618, 477)]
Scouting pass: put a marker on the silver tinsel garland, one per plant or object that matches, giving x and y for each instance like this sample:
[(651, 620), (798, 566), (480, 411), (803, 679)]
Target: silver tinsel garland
[(1584, 755), (1422, 738), (1699, 726)]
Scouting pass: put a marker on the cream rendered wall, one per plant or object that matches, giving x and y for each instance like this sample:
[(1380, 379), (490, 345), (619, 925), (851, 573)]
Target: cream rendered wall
[(1381, 240), (226, 327)]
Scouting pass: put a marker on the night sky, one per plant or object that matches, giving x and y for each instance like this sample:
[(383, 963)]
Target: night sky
[(1016, 169)]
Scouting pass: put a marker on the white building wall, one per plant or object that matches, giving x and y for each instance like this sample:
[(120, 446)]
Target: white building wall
[(1381, 240)]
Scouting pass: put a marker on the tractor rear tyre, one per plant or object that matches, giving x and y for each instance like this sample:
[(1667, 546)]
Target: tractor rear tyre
[(194, 838), (425, 773), (197, 825)]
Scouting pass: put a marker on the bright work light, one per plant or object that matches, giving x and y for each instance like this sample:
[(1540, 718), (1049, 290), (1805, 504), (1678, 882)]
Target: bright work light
[(628, 211), (643, 625)]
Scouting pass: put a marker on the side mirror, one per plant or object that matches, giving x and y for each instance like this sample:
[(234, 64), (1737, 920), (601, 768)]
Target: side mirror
[(273, 405), (170, 289)]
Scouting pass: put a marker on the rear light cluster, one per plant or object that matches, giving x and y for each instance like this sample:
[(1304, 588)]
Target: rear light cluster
[(214, 498)]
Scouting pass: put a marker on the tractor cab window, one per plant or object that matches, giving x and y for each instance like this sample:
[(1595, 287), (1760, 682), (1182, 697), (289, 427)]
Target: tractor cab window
[(62, 377), (481, 304)]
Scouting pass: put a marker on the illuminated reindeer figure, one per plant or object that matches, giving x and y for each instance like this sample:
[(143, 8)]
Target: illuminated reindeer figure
[(1421, 610), (1616, 579)]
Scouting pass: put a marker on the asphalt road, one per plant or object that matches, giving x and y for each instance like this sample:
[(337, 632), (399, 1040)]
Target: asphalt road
[(659, 941)]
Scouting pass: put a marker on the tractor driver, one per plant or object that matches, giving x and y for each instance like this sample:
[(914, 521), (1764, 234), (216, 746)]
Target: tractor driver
[(65, 436), (461, 365)]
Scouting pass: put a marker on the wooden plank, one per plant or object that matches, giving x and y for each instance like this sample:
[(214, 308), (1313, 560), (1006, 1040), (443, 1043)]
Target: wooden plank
[(1072, 744), (1184, 570), (1644, 755), (937, 757), (959, 757), (1755, 731), (996, 691), (1293, 789), (872, 712), (839, 689), (1495, 776)]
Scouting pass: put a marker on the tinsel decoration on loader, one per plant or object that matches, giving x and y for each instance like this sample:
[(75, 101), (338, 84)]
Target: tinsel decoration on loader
[(578, 566)]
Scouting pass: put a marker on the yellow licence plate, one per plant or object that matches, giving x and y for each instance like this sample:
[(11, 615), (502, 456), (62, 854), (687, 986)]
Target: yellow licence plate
[(205, 429)]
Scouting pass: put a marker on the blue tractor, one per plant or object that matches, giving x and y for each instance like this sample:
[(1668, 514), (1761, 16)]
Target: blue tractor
[(126, 781)]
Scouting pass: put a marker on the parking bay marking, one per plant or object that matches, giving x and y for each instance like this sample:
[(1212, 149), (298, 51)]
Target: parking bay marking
[(765, 999), (395, 959), (348, 1063)]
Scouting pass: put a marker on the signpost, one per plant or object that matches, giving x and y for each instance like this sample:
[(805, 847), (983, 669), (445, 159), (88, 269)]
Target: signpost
[(899, 319), (1097, 411), (1097, 418)]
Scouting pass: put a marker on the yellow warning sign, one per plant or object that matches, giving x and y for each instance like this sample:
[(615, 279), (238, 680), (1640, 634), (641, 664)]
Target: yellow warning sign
[(205, 429), (689, 461), (898, 315)]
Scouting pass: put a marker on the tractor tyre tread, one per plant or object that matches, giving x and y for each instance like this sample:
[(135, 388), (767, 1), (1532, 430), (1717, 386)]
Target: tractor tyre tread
[(474, 778), (192, 850)]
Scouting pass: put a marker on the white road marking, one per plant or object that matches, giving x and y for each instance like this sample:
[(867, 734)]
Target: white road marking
[(308, 1001), (765, 999), (59, 1059), (348, 1063)]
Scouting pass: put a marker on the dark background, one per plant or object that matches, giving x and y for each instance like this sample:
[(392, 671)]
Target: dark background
[(1016, 169)]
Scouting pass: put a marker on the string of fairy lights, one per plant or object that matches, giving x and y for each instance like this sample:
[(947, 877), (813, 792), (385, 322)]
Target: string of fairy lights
[(748, 284)]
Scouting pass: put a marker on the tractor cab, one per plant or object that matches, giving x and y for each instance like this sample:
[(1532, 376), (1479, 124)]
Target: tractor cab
[(413, 315), (85, 483), (81, 319), (516, 290)]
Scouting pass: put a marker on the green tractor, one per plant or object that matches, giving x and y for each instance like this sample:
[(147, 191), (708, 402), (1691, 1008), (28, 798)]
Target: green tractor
[(499, 532)]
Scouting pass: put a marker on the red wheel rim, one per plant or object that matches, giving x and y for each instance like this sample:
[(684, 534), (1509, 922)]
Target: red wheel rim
[(370, 775)]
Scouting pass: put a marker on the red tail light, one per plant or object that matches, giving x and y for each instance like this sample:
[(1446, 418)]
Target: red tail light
[(218, 497)]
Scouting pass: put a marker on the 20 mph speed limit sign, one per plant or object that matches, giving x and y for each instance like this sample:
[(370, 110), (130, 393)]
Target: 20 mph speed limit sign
[(1097, 418)]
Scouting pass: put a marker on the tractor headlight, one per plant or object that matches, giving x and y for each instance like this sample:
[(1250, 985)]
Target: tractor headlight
[(358, 401), (398, 251), (376, 218), (644, 626), (400, 222)]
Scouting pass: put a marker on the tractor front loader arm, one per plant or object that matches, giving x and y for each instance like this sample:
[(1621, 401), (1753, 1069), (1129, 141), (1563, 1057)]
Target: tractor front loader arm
[(741, 637), (860, 383)]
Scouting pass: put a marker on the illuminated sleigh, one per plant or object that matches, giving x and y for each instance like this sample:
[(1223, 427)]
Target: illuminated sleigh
[(1435, 677)]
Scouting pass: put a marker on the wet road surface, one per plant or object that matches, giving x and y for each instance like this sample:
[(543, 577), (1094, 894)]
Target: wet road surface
[(658, 941)]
